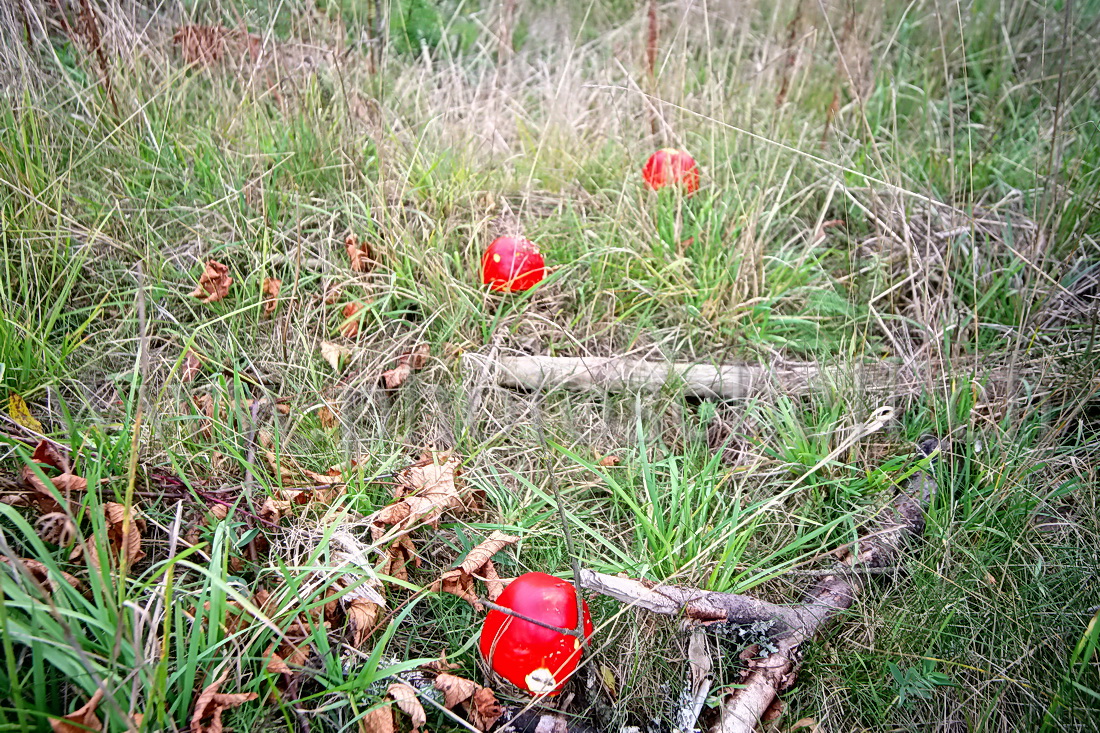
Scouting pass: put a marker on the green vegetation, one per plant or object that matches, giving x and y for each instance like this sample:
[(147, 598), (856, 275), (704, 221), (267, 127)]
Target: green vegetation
[(922, 199)]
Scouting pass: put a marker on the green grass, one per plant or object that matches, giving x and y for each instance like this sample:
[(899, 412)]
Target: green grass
[(943, 221)]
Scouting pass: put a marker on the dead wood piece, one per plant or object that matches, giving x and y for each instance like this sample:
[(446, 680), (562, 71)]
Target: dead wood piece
[(832, 595), (696, 604)]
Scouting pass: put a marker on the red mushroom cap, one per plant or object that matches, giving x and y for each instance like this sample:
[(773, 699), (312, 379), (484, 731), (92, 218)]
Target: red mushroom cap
[(671, 165), (532, 657), (511, 264)]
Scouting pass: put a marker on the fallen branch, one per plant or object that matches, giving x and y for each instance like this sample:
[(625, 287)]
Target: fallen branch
[(617, 374), (740, 381), (896, 524)]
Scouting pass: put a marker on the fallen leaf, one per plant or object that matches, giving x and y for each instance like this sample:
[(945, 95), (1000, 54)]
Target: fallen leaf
[(397, 557), (18, 410), (211, 704), (407, 363), (49, 454), (41, 574), (56, 528), (426, 490), (332, 292), (362, 616), (358, 253), (406, 699), (483, 710), (460, 581), (379, 720), (441, 665), (608, 679), (350, 327), (41, 496), (213, 283), (80, 720), (455, 689), (280, 658), (270, 292), (327, 416), (192, 365), (810, 723), (124, 530), (335, 355)]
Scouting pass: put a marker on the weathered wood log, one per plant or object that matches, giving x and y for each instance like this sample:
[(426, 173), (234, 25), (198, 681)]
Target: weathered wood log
[(618, 374)]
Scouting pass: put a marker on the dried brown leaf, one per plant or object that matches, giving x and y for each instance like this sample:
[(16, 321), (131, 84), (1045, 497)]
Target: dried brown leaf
[(192, 365), (350, 327), (41, 574), (455, 689), (211, 704), (398, 556), (483, 710), (213, 283), (124, 530), (379, 720), (406, 699), (335, 354), (441, 665), (362, 616), (271, 288), (49, 454), (426, 490), (460, 580), (484, 552), (57, 528), (407, 363), (82, 719), (327, 416), (358, 253)]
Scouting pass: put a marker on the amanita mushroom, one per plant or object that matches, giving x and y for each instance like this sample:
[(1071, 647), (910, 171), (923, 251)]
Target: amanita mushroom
[(511, 264), (671, 166), (532, 657)]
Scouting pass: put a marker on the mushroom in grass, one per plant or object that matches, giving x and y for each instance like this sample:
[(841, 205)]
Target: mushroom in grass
[(511, 264), (671, 166), (534, 658)]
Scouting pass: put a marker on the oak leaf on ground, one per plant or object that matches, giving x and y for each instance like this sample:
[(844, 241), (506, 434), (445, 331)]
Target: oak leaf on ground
[(483, 710), (48, 455), (82, 719), (124, 528), (211, 704), (397, 557), (480, 703), (213, 283), (57, 528), (335, 354), (362, 617)]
